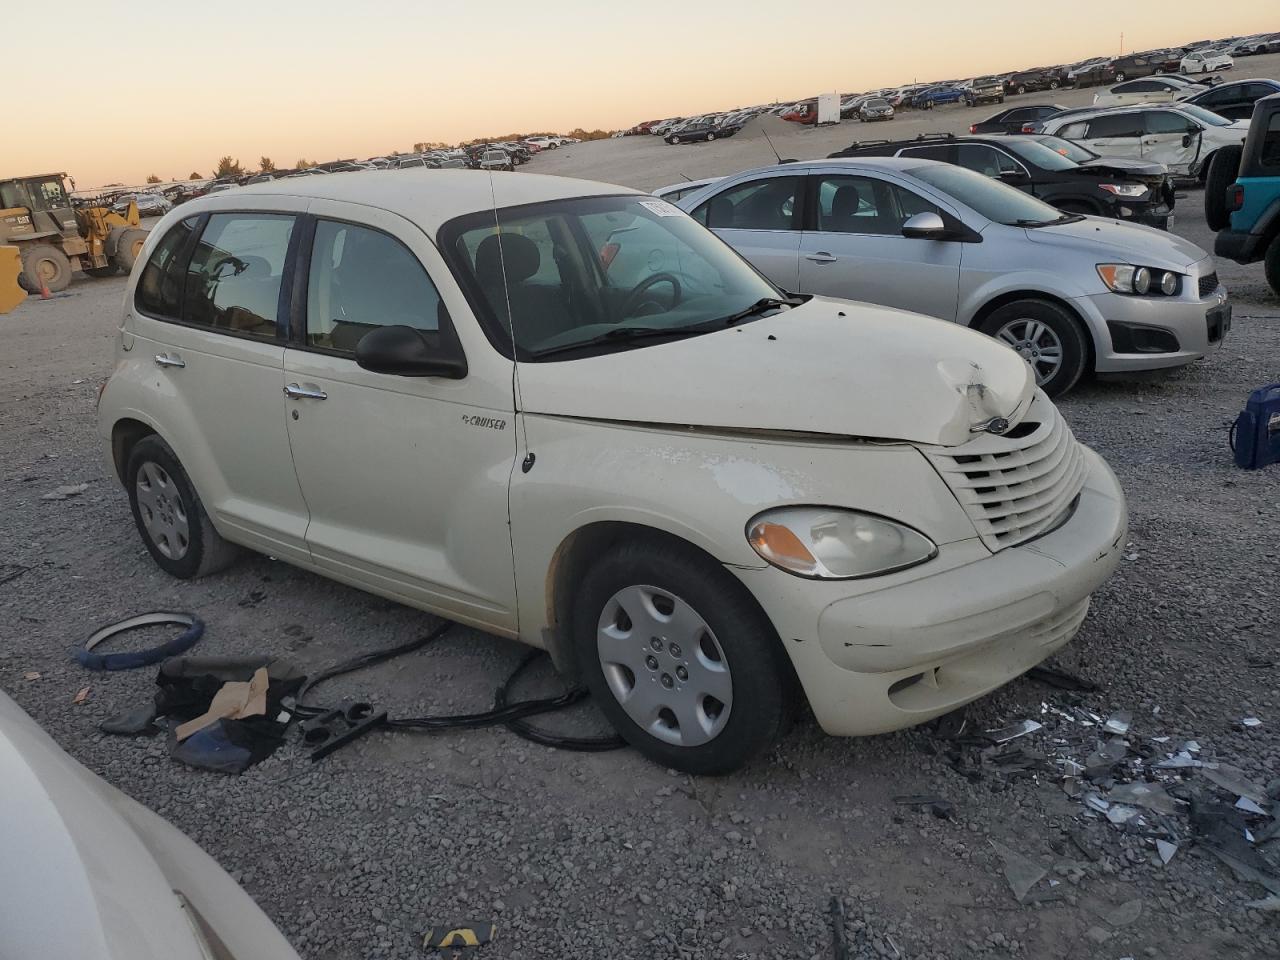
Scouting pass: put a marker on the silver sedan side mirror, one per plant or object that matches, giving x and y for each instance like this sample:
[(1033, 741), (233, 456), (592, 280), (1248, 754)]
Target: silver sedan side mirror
[(925, 226)]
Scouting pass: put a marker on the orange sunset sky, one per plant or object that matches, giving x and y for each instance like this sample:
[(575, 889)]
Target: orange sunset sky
[(166, 88)]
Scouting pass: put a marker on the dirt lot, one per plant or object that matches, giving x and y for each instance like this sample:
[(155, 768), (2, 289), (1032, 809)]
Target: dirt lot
[(606, 855)]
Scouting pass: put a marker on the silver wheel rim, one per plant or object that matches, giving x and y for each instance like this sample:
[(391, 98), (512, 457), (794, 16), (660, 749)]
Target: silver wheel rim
[(664, 666), (164, 515), (1037, 344)]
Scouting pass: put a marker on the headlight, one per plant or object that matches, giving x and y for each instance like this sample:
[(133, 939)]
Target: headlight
[(829, 543), (1128, 279), (1130, 190)]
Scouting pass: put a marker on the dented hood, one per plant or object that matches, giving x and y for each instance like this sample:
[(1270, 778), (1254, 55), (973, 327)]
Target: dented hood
[(826, 367)]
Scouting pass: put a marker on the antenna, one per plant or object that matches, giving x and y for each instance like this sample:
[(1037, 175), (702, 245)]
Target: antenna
[(771, 146)]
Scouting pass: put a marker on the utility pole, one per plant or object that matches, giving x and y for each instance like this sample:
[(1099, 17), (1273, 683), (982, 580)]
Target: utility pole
[(1122, 43)]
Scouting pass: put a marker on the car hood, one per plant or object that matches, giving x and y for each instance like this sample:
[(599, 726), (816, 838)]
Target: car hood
[(826, 367), (90, 874), (1122, 242), (1125, 167)]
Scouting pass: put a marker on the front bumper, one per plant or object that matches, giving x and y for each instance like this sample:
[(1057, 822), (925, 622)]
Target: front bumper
[(1198, 326), (914, 649)]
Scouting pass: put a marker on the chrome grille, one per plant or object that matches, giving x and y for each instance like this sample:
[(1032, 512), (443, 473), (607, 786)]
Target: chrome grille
[(1014, 489), (1208, 284)]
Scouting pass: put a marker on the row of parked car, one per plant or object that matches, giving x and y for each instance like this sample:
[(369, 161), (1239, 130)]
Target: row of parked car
[(1202, 57)]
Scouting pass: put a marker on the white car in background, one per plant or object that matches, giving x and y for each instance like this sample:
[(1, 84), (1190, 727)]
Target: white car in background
[(1182, 136), (707, 494), (1153, 89), (1206, 61), (89, 873)]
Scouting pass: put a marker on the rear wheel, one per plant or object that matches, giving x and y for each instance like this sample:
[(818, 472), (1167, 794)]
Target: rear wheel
[(1120, 77), (1045, 335), (169, 515), (1220, 173), (1053, 84), (679, 657), (710, 137), (44, 265), (1272, 265), (129, 247), (1022, 88)]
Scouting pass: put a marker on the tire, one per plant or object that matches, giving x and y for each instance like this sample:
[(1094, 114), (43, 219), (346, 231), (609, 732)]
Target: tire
[(169, 515), (1011, 324), (710, 137), (1222, 170), (128, 247), (1120, 77), (1021, 88), (672, 140), (44, 263), (1053, 84), (1271, 265), (739, 657)]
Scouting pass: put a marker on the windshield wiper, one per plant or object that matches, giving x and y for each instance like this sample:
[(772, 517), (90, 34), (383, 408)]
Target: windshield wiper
[(760, 306), (1032, 224), (621, 333)]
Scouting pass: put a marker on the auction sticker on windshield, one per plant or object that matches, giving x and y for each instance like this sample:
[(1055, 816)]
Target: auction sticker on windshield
[(661, 208)]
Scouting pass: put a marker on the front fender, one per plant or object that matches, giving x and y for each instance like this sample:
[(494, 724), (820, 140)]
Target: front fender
[(702, 487), (1041, 282)]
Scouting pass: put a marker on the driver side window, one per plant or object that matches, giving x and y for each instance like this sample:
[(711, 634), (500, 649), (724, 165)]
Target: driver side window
[(362, 279)]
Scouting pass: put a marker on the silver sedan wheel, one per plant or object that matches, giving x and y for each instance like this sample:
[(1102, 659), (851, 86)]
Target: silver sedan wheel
[(1037, 344), (664, 665), (164, 515)]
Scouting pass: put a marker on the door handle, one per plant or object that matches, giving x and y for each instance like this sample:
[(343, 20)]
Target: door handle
[(820, 257), (165, 360), (296, 392)]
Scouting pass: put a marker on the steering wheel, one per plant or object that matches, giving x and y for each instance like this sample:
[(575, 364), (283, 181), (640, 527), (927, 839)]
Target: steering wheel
[(238, 267), (633, 298)]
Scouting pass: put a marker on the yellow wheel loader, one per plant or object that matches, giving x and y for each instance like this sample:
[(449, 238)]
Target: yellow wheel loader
[(55, 236), (10, 266)]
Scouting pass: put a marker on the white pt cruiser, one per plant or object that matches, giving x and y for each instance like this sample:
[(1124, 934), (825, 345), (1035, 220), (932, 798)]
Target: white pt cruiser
[(566, 413)]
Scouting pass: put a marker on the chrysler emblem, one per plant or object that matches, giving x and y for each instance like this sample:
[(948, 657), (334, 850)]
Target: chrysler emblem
[(996, 425)]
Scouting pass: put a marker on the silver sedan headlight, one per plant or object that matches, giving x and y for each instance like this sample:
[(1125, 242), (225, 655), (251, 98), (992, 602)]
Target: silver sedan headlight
[(830, 543)]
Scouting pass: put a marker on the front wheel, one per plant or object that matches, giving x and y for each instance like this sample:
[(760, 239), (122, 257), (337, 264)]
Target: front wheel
[(1053, 84), (680, 658), (1045, 335), (129, 247), (1021, 88)]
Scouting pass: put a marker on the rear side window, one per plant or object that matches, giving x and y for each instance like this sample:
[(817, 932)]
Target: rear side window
[(1160, 121), (1270, 156), (233, 282), (362, 279), (941, 153), (986, 160), (767, 204), (1119, 125), (159, 292)]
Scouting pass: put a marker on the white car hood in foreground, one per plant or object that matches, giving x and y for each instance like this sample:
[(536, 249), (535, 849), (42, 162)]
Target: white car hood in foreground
[(872, 373), (89, 874)]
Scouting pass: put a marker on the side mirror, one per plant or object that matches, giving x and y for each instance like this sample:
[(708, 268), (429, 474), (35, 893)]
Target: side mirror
[(1012, 176), (925, 226), (405, 352)]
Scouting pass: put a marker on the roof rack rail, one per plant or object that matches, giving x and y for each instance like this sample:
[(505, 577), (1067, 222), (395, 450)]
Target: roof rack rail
[(936, 136)]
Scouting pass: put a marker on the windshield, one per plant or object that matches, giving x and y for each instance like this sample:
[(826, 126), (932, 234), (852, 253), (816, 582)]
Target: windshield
[(1040, 155), (1072, 151), (875, 102), (1203, 115), (990, 198), (587, 269)]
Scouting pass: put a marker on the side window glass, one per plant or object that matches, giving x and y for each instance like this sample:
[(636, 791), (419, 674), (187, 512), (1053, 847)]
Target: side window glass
[(856, 205), (1164, 122), (1119, 125), (1020, 115), (1074, 131), (980, 159), (759, 205), (927, 153), (159, 292), (362, 279), (910, 204), (233, 283), (1270, 155)]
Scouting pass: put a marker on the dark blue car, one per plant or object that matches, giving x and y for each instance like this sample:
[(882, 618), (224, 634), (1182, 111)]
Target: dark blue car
[(936, 97)]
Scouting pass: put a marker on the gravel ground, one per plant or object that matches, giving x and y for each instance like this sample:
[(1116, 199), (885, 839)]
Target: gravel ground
[(606, 855)]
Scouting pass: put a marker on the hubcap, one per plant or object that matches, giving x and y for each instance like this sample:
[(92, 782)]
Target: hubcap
[(664, 666), (1037, 344), (164, 515)]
